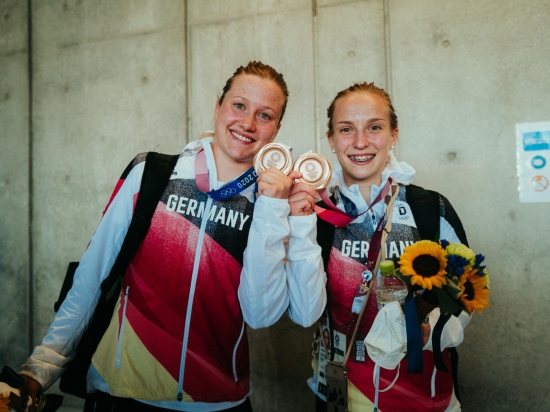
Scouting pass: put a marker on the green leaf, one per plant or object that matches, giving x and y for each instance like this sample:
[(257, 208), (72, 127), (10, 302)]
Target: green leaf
[(453, 290), (406, 279), (446, 303)]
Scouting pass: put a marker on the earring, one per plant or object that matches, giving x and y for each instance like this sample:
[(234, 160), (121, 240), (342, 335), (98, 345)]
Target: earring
[(333, 151), (391, 148)]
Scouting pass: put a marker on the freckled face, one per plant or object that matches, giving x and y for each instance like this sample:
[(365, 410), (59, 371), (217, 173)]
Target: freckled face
[(362, 137), (247, 119)]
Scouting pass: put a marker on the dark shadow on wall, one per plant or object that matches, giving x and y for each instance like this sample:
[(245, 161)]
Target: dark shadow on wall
[(280, 358)]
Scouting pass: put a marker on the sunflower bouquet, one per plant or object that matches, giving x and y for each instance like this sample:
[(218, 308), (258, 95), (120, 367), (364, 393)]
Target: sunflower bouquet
[(451, 271)]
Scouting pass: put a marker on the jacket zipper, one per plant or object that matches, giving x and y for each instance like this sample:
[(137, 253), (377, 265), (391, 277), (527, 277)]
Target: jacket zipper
[(192, 295), (119, 347)]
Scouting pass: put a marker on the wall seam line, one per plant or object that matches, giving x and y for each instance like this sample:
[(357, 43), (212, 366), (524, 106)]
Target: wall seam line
[(187, 82), (317, 141), (387, 46), (31, 187)]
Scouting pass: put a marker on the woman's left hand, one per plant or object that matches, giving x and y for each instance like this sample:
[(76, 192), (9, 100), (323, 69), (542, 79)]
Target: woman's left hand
[(301, 199), (274, 183)]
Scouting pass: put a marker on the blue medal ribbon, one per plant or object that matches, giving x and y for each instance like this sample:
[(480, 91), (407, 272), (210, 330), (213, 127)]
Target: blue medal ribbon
[(235, 187)]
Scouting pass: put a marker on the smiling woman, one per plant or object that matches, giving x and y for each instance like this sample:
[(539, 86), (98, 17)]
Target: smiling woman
[(212, 259), (362, 131)]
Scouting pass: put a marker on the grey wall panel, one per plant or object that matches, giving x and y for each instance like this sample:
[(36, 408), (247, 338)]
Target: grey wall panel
[(350, 48), (14, 183), (109, 82), (282, 40), (463, 74), (222, 11)]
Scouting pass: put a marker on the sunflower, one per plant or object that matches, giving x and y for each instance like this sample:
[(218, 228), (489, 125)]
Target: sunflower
[(4, 402), (475, 293), (425, 262)]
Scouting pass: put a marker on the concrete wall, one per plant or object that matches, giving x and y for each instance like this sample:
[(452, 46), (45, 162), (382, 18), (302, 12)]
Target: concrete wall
[(15, 199), (111, 79)]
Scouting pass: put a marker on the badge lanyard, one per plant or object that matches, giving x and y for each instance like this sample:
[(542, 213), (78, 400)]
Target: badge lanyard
[(374, 249), (342, 219), (374, 260), (233, 188)]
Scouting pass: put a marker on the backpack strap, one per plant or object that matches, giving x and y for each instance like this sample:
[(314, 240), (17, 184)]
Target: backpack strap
[(424, 206), (156, 174), (325, 237)]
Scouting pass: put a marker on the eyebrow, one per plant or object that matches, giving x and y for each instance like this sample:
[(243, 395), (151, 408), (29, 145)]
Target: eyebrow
[(247, 100), (345, 122)]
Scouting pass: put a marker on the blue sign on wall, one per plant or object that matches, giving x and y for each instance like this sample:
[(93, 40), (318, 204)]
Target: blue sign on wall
[(536, 140)]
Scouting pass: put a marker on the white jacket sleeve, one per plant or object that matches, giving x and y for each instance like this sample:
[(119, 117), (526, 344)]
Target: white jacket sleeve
[(305, 273), (263, 292), (48, 361)]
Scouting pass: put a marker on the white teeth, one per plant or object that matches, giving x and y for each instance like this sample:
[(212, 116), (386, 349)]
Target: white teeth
[(364, 158), (240, 137)]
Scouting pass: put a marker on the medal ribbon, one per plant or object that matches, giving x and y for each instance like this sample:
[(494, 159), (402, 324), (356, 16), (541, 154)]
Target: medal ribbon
[(246, 179), (372, 257), (374, 251), (342, 219)]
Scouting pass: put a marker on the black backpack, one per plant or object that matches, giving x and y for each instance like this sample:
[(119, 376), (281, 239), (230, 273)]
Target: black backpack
[(158, 168)]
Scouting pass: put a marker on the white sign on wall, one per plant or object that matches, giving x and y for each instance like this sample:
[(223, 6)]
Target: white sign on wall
[(533, 156)]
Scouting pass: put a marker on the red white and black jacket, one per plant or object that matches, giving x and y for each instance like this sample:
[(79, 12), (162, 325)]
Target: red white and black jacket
[(204, 268)]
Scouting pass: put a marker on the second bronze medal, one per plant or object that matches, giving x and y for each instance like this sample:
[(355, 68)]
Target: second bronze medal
[(315, 168)]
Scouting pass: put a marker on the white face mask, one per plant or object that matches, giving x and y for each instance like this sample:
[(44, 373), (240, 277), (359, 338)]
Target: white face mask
[(387, 340)]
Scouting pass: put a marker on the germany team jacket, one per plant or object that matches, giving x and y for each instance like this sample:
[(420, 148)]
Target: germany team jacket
[(430, 391), (178, 338)]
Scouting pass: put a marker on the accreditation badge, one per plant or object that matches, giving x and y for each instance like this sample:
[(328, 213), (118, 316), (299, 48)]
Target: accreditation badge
[(339, 349)]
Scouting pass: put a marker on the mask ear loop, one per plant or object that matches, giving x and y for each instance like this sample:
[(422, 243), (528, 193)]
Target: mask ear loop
[(376, 381)]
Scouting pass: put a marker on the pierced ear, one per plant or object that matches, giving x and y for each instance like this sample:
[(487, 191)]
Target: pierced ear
[(331, 143), (394, 137)]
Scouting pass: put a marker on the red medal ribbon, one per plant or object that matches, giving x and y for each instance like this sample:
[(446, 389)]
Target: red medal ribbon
[(342, 219)]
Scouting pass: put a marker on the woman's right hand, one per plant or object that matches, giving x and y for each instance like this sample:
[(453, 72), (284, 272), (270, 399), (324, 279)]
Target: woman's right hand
[(33, 388)]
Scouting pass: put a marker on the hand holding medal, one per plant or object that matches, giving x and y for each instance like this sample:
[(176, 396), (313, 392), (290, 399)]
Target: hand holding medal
[(312, 172), (273, 164)]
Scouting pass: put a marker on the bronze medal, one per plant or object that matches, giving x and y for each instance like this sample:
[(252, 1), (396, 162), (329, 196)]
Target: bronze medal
[(273, 155), (315, 168)]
